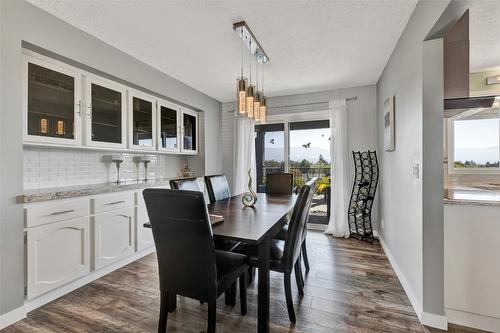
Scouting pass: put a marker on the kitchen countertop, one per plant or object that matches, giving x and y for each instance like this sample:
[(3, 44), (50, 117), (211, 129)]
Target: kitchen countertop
[(68, 192), (477, 196)]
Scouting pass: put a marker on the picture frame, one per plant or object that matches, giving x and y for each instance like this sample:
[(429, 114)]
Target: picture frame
[(389, 125)]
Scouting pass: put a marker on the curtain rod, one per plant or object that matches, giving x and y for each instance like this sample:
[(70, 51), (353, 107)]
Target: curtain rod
[(353, 98)]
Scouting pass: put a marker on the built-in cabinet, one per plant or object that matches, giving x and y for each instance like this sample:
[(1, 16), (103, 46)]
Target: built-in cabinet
[(66, 106), (105, 113), (69, 240), (52, 103)]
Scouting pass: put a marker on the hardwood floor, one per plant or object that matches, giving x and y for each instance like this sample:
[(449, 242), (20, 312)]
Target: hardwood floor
[(350, 288)]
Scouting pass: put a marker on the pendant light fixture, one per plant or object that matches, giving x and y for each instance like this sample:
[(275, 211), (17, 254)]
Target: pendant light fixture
[(256, 101), (263, 107), (250, 91), (250, 101), (241, 84)]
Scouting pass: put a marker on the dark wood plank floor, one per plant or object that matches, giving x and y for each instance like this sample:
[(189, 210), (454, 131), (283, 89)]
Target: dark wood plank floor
[(350, 288)]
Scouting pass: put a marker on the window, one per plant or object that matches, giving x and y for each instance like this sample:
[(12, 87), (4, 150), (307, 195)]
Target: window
[(474, 143)]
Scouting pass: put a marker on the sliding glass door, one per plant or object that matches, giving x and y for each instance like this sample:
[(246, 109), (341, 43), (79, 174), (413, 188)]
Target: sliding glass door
[(301, 148), (269, 151)]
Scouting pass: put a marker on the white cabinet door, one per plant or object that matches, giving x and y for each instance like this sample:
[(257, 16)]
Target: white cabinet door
[(105, 113), (144, 235), (189, 131), (51, 101), (114, 236), (57, 253), (142, 121), (169, 127)]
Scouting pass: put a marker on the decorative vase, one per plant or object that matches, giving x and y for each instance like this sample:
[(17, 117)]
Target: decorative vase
[(249, 198)]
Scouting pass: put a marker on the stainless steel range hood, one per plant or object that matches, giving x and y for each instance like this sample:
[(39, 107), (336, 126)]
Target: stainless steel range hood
[(457, 72)]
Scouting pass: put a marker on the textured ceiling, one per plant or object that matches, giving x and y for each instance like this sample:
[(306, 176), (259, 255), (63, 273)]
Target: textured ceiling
[(484, 25), (313, 46)]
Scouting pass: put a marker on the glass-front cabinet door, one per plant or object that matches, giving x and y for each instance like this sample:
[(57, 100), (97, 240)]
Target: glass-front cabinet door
[(169, 127), (106, 115), (142, 121), (51, 102), (189, 131)]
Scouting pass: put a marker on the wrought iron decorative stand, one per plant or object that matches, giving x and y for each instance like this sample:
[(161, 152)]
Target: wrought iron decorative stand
[(362, 195)]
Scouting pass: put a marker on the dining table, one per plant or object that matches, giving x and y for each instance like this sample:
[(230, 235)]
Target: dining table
[(256, 225)]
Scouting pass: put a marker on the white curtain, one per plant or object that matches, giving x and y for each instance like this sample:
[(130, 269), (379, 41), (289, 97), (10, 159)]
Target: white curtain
[(244, 155), (339, 198)]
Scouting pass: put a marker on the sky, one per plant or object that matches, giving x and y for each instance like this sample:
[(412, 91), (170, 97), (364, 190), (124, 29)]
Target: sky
[(318, 139), (477, 140)]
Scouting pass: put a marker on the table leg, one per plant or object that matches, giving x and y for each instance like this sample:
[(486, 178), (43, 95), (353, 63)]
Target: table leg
[(263, 307)]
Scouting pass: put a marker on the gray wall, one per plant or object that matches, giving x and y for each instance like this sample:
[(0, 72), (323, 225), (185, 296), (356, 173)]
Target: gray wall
[(401, 203), (20, 21), (361, 119)]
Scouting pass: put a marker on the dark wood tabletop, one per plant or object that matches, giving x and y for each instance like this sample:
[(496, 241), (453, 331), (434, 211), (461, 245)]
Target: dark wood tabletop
[(252, 224)]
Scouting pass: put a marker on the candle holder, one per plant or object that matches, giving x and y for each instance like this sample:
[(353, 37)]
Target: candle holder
[(249, 199)]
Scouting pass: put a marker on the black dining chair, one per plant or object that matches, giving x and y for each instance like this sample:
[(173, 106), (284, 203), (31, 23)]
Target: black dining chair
[(188, 263), (285, 254), (217, 188), (279, 183), (283, 232), (188, 184)]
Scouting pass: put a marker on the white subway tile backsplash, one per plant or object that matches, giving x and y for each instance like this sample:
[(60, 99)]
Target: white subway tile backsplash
[(53, 167)]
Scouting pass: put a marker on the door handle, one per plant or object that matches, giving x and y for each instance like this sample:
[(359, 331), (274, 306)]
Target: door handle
[(63, 212), (116, 202)]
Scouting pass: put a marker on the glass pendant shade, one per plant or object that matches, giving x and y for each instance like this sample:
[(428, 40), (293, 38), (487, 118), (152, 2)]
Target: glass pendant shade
[(250, 95), (262, 109), (256, 106), (241, 94)]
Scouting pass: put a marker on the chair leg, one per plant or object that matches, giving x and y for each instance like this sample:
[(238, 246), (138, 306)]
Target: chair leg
[(212, 310), (233, 295), (227, 296), (289, 299), (298, 278), (304, 254), (243, 294), (162, 323), (251, 275), (172, 302)]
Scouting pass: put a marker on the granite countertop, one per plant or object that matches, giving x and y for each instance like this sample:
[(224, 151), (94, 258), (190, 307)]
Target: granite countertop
[(67, 192), (477, 196)]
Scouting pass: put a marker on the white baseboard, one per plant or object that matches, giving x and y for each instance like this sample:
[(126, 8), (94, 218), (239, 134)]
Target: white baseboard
[(11, 317), (402, 279), (477, 321), (39, 301), (428, 319), (435, 321)]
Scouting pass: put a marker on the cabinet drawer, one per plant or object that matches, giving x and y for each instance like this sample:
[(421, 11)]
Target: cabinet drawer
[(57, 253), (56, 211), (113, 202)]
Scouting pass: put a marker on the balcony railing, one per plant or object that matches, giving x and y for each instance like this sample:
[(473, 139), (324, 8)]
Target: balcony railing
[(301, 175)]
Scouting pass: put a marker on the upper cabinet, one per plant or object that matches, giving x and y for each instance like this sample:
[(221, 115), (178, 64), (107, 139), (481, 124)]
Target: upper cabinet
[(189, 131), (142, 121), (66, 106), (168, 126), (105, 113), (52, 102)]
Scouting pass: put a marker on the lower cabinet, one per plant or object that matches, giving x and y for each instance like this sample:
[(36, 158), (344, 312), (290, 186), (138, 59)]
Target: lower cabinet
[(57, 253), (114, 236), (144, 236)]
